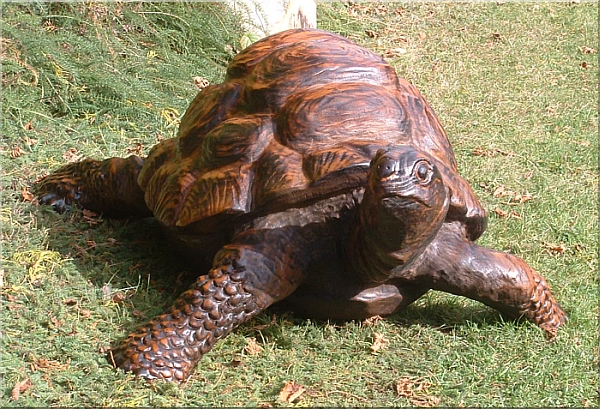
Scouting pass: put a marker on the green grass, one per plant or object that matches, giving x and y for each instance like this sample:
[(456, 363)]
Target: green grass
[(511, 80)]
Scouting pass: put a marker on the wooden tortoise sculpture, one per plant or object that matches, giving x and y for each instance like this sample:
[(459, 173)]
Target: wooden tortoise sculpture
[(311, 174)]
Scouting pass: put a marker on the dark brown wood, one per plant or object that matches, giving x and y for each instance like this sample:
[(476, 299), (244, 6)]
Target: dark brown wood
[(313, 176)]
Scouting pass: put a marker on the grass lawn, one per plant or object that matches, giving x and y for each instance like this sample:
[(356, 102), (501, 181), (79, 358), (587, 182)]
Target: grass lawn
[(515, 85)]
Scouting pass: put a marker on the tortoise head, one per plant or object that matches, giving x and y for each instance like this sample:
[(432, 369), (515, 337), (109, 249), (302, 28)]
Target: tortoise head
[(404, 205)]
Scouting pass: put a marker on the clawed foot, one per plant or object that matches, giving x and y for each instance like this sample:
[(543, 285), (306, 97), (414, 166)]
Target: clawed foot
[(151, 358), (61, 190), (170, 345), (543, 310)]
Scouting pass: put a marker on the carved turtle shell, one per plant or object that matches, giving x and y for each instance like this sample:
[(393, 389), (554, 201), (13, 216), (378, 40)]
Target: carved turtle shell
[(298, 118)]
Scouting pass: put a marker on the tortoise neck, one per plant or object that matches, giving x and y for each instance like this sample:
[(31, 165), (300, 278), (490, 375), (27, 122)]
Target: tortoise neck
[(368, 259), (385, 242)]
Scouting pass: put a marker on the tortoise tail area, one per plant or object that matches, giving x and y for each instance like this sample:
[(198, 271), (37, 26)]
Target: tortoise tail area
[(109, 186)]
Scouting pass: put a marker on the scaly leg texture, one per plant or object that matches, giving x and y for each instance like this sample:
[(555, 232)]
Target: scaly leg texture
[(109, 186), (256, 270), (499, 280), (170, 345)]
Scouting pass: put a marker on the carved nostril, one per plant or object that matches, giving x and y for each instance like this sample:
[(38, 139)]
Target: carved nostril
[(386, 169)]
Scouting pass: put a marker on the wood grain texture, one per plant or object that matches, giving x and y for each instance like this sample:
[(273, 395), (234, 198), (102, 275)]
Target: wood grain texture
[(312, 174), (329, 100)]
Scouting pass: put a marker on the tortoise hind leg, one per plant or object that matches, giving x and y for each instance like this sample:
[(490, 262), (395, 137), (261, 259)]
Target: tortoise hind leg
[(257, 269), (109, 186), (500, 280)]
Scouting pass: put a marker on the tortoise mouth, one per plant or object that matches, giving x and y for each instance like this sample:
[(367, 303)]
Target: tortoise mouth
[(406, 194), (404, 202)]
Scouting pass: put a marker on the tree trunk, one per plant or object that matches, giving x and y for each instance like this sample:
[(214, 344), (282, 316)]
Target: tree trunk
[(267, 17)]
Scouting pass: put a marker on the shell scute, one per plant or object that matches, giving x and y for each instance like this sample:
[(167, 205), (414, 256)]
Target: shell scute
[(334, 114), (159, 155), (239, 139), (319, 164), (210, 107), (245, 61), (167, 190), (289, 70), (223, 190), (280, 172), (298, 119), (426, 131)]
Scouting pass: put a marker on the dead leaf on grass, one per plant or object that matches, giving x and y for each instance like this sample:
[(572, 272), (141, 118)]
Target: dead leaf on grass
[(505, 153), (30, 141), (201, 82), (27, 195), (47, 365), (587, 50), (394, 52), (19, 388), (554, 249), (501, 191), (482, 152), (521, 198), (91, 244), (371, 321), (514, 197), (290, 392), (138, 149), (413, 389), (72, 155), (379, 342), (16, 152), (491, 152), (85, 313), (236, 361), (80, 252), (500, 212), (252, 347), (371, 33), (400, 39), (92, 218), (56, 322), (118, 297)]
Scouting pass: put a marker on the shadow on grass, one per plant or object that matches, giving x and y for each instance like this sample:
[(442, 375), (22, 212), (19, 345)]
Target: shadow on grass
[(129, 260), (132, 262)]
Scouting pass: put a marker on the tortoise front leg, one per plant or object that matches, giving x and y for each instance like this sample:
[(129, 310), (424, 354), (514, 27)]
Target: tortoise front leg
[(500, 280), (259, 268), (109, 186)]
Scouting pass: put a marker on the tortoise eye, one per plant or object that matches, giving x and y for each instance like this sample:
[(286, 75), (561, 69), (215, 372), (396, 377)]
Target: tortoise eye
[(423, 171)]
